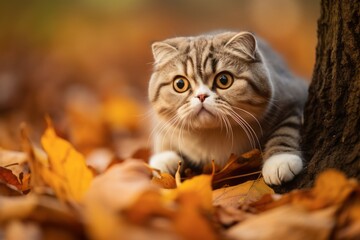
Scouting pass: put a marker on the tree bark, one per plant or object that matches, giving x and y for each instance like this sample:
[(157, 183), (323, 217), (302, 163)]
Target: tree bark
[(331, 132)]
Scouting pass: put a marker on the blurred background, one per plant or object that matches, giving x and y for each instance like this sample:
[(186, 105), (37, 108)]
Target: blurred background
[(86, 63)]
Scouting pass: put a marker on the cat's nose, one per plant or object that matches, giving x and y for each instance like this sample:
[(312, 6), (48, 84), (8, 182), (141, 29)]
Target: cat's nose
[(202, 97)]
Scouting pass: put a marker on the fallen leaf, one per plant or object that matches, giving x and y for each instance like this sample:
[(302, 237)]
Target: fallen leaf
[(228, 216), (200, 187), (16, 230), (165, 180), (120, 185), (54, 218), (191, 214), (14, 161), (83, 112), (241, 194), (117, 189), (348, 218), (65, 172), (143, 154), (8, 190), (286, 222), (100, 159), (239, 169), (331, 188), (121, 113), (8, 177)]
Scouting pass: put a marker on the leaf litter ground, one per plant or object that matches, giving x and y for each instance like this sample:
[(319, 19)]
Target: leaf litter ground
[(55, 192)]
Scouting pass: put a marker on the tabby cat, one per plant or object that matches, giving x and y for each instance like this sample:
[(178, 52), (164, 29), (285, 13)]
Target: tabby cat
[(224, 93)]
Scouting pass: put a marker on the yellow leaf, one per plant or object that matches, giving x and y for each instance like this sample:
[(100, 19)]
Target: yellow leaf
[(200, 187), (194, 198), (67, 173), (121, 113), (244, 193)]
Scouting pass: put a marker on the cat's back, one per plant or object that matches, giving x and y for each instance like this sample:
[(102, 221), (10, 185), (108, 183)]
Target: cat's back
[(288, 87)]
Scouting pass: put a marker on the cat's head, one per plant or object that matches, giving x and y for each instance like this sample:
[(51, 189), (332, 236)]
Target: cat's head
[(206, 81)]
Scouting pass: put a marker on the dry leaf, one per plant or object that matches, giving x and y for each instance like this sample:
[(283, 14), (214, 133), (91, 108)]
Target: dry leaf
[(185, 207), (200, 187), (8, 190), (165, 180), (348, 219), (8, 177), (17, 230), (64, 169), (331, 188), (54, 218), (286, 222), (14, 161), (228, 216), (241, 194), (239, 169), (99, 159), (112, 192), (121, 113), (194, 197), (191, 221)]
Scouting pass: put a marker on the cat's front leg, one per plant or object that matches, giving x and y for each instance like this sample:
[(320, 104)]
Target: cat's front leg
[(166, 161), (282, 158)]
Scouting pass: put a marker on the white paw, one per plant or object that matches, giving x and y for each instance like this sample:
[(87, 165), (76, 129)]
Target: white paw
[(165, 161), (281, 168)]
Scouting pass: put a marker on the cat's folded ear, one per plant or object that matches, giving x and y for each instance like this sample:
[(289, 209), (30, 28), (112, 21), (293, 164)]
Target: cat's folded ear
[(163, 51), (243, 44)]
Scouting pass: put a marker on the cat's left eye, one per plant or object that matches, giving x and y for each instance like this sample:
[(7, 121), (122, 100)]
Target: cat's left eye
[(224, 80)]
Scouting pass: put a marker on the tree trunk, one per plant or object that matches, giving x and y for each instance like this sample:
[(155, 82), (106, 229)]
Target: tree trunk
[(331, 132)]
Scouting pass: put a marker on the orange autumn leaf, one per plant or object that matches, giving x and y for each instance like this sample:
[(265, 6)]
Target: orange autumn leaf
[(67, 173), (8, 177), (121, 113), (241, 194), (165, 180), (200, 187)]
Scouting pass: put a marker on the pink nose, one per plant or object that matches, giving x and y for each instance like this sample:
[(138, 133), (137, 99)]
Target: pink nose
[(202, 97)]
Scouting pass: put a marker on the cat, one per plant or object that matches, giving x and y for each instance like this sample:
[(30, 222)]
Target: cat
[(223, 93)]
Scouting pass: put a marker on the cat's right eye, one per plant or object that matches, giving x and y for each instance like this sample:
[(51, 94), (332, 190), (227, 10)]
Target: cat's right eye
[(181, 84)]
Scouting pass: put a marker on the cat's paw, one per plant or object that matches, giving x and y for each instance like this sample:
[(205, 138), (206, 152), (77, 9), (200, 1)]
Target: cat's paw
[(165, 161), (281, 168)]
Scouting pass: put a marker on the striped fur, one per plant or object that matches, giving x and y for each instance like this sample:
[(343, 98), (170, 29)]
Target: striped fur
[(261, 109)]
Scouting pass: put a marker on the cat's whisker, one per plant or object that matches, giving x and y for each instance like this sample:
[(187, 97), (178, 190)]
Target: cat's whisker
[(228, 127), (251, 115), (245, 128), (160, 126), (249, 131), (254, 137)]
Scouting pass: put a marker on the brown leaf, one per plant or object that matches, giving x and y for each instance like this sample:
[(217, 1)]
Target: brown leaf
[(142, 153), (165, 180), (241, 194), (348, 219), (286, 222), (228, 216), (8, 190), (239, 169), (8, 177), (331, 188)]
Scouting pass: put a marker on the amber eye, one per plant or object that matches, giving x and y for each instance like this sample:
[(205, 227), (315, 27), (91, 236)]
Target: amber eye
[(224, 80), (181, 84)]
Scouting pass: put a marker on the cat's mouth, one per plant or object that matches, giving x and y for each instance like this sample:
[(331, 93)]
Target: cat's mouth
[(203, 111)]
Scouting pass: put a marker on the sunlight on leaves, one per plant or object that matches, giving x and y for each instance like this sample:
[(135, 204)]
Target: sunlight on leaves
[(67, 173)]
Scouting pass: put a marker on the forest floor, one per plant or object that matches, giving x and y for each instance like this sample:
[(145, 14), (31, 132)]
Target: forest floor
[(93, 182)]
